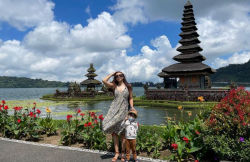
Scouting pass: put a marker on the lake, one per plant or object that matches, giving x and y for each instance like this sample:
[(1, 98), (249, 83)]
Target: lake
[(146, 115)]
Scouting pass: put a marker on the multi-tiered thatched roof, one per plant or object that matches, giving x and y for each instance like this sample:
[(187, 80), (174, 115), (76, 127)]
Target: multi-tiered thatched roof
[(190, 59), (91, 75)]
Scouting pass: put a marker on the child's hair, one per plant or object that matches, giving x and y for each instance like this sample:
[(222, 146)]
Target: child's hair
[(132, 114)]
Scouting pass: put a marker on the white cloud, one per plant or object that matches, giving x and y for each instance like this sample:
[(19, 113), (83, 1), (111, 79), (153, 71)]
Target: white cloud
[(218, 39), (131, 12), (26, 13), (17, 60), (102, 34), (237, 58), (144, 66), (49, 37), (167, 10), (87, 10)]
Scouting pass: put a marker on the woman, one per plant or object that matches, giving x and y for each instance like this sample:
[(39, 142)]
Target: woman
[(118, 110)]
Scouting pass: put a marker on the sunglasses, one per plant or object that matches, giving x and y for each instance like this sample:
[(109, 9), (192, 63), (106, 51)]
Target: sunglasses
[(121, 75)]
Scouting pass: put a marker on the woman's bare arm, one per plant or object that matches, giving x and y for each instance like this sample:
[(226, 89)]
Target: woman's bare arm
[(131, 101), (106, 82)]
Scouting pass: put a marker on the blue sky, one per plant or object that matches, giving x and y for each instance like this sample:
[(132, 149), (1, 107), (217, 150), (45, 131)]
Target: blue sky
[(57, 39)]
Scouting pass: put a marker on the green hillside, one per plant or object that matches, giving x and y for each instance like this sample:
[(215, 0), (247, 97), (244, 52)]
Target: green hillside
[(22, 82), (233, 72)]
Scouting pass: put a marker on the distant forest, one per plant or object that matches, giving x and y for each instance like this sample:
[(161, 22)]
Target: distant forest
[(232, 72), (23, 82), (150, 84)]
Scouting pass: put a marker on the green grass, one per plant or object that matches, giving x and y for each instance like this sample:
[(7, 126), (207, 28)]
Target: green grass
[(64, 113), (29, 103), (97, 98), (171, 104)]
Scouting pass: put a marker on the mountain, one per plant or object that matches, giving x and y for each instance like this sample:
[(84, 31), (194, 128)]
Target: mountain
[(23, 82), (233, 72)]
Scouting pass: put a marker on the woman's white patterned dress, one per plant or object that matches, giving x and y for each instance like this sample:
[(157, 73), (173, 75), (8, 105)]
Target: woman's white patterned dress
[(117, 112)]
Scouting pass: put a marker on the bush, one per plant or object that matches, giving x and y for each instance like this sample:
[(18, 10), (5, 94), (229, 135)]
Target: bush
[(228, 127), (184, 140)]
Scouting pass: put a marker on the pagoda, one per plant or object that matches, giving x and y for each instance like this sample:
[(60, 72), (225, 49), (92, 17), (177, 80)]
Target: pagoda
[(91, 82), (190, 70)]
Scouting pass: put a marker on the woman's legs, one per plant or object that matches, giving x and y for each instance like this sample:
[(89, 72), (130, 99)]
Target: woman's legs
[(116, 145), (123, 139), (123, 142)]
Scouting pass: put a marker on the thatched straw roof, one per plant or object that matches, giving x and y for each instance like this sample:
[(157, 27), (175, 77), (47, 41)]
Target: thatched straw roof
[(193, 56), (90, 81), (188, 67), (162, 74)]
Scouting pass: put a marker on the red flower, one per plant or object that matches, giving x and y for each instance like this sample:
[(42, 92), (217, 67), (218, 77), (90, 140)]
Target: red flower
[(95, 121), (101, 117), (197, 132), (31, 114), (34, 105), (175, 146), (78, 111), (35, 116), (92, 127), (69, 117), (18, 120), (92, 114), (38, 111), (244, 124), (85, 125), (6, 107), (196, 161), (82, 114), (17, 108), (89, 123), (185, 139), (3, 102)]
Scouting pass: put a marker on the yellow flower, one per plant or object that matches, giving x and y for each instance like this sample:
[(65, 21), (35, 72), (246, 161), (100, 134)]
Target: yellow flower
[(49, 111), (179, 107), (47, 108), (169, 118), (200, 98), (189, 113)]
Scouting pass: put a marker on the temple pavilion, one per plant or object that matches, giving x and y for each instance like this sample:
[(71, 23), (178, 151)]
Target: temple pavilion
[(190, 70), (91, 83)]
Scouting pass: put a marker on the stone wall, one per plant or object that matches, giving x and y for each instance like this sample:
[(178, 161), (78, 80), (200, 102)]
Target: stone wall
[(186, 95)]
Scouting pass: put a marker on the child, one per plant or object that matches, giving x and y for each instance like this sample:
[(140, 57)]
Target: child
[(131, 127)]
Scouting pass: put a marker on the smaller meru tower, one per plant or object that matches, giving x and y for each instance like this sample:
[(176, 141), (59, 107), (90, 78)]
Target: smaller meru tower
[(190, 70), (91, 82)]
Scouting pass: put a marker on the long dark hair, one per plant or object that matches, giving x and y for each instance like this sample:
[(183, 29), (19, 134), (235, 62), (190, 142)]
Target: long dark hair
[(115, 82)]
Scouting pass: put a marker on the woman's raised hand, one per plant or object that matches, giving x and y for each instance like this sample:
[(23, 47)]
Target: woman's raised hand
[(112, 74)]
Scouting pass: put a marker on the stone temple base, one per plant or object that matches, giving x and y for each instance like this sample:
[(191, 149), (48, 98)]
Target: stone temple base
[(186, 95)]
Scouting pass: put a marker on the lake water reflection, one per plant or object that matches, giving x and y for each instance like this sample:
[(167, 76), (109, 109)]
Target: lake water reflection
[(146, 115)]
